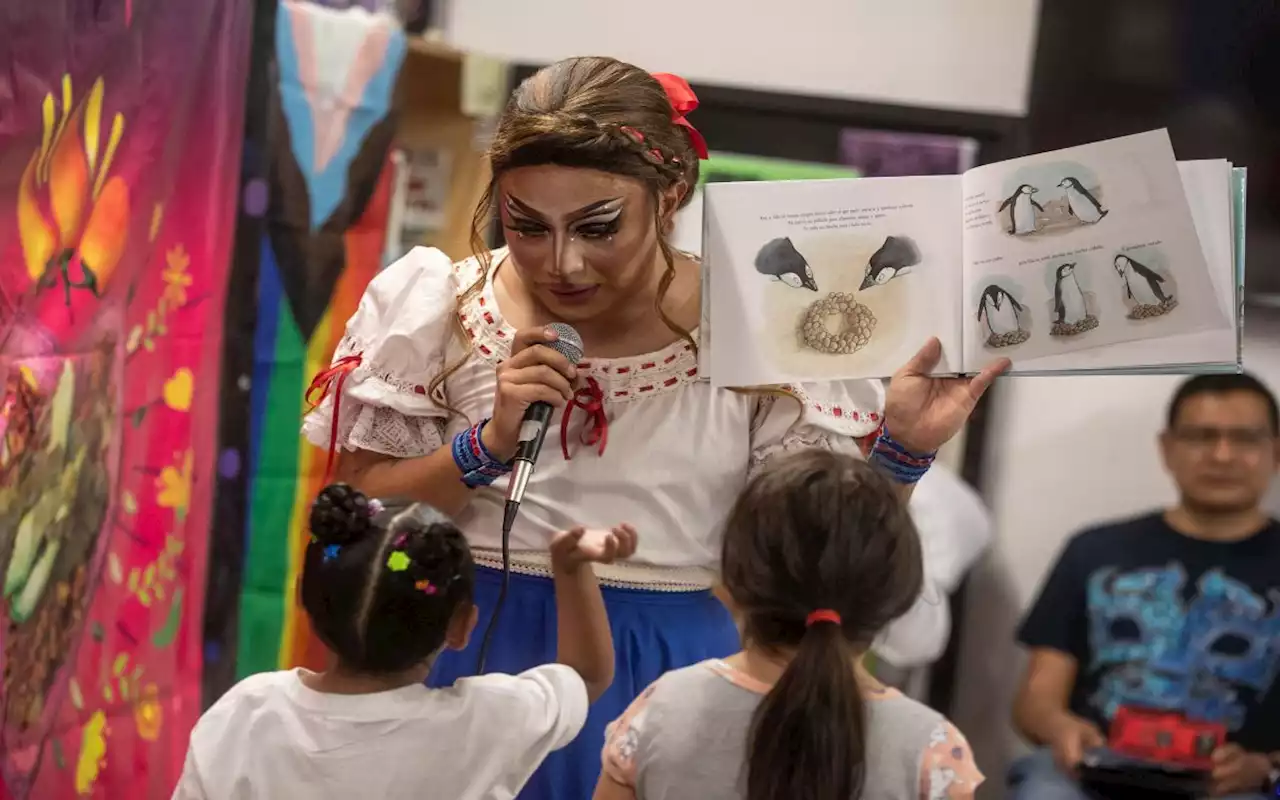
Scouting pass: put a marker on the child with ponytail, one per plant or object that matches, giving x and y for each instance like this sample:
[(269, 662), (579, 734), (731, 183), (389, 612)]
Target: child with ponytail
[(819, 556), (387, 589)]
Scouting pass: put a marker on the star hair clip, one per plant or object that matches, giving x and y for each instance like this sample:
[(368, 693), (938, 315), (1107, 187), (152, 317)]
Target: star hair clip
[(331, 552)]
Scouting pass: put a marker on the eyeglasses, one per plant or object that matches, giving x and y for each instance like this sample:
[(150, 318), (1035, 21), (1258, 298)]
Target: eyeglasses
[(1241, 438)]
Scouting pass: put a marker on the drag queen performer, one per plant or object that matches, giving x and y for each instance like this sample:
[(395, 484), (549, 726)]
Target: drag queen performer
[(590, 161)]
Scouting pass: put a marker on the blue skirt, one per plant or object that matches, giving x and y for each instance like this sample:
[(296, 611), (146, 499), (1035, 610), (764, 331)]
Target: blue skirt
[(653, 633)]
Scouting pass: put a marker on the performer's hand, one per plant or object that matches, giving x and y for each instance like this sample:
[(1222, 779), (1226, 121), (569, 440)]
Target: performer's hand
[(530, 375), (922, 412), (572, 548), (1236, 771)]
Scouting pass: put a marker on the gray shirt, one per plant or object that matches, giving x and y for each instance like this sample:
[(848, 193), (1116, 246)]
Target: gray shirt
[(685, 737)]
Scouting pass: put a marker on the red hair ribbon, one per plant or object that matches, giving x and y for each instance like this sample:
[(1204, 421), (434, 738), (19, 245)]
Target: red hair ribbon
[(822, 615), (590, 399), (683, 101), (334, 376)]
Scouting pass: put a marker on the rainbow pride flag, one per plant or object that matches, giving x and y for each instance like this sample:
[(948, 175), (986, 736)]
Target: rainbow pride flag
[(313, 217)]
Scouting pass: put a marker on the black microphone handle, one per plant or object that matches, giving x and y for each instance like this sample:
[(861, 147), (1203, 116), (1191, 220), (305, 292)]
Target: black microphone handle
[(533, 429)]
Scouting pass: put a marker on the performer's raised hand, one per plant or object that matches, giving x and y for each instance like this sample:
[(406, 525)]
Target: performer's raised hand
[(531, 375), (577, 546), (922, 412)]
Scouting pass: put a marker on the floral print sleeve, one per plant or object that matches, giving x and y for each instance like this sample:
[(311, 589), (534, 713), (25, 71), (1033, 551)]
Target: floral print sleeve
[(947, 768), (621, 757)]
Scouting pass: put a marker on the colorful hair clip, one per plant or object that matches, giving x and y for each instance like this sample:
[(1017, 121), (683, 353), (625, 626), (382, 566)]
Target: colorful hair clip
[(425, 586), (375, 507), (331, 552), (400, 540), (632, 132), (397, 561)]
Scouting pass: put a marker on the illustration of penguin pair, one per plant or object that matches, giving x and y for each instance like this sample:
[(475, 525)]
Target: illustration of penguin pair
[(895, 258), (1022, 210), (1069, 306), (1082, 205), (999, 310), (779, 259), (1145, 292)]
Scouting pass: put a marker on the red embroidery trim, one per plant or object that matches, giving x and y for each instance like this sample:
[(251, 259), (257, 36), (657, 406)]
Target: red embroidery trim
[(337, 371), (590, 398)]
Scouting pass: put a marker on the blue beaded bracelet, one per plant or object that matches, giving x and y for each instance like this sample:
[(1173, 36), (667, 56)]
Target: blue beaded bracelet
[(902, 465), (479, 467)]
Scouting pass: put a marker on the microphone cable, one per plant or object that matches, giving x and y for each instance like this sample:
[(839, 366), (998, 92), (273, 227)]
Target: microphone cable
[(568, 344)]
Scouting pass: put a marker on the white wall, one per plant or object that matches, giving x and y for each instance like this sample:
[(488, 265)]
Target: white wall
[(1065, 453), (959, 54)]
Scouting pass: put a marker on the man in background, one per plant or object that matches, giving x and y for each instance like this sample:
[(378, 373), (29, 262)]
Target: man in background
[(1176, 610)]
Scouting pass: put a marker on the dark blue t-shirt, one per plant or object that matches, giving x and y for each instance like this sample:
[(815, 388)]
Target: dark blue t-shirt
[(1156, 619)]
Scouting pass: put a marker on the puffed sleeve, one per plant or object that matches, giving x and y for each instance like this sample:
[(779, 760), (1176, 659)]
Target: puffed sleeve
[(955, 529), (376, 393), (836, 415)]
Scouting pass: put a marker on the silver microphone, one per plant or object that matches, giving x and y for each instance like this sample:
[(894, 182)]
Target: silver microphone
[(532, 431), (534, 427)]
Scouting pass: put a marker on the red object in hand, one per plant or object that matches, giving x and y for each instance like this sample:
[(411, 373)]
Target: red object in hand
[(1166, 737)]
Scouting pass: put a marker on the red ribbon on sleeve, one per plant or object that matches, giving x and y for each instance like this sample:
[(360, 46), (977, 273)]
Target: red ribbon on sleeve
[(334, 376)]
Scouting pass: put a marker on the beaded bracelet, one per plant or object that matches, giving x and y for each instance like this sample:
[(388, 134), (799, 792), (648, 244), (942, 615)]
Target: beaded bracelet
[(479, 466), (902, 465)]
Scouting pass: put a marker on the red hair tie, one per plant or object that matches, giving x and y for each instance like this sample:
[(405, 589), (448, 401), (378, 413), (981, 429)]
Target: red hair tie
[(683, 101), (822, 615)]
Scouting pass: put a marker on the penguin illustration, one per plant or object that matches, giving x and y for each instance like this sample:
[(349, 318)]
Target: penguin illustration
[(779, 259), (895, 257), (1022, 210), (1083, 206), (1146, 292), (999, 310), (1068, 298)]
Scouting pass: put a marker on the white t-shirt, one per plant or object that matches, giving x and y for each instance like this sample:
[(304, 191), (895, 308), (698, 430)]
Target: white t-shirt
[(273, 738)]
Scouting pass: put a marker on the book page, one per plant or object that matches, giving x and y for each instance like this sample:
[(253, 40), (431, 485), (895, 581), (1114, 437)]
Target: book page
[(1079, 249), (830, 279), (1208, 189)]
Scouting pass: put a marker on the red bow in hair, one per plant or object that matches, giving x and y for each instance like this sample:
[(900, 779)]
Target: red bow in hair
[(683, 101)]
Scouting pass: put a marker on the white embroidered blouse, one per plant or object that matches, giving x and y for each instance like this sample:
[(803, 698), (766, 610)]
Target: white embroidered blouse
[(674, 458), (676, 451)]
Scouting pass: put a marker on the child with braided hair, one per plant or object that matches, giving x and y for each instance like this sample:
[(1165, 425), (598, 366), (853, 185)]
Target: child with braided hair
[(387, 589)]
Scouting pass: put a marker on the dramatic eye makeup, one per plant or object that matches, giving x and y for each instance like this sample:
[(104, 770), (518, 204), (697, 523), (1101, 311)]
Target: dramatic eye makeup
[(599, 220), (600, 225)]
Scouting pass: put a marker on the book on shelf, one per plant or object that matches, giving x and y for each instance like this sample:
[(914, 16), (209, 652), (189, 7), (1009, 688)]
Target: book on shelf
[(1107, 258)]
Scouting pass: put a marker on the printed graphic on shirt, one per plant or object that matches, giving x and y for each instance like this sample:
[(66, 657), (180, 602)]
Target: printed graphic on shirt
[(947, 770), (1156, 647), (622, 741)]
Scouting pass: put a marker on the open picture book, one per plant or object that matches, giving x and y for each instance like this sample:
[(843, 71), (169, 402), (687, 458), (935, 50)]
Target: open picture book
[(1110, 257)]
